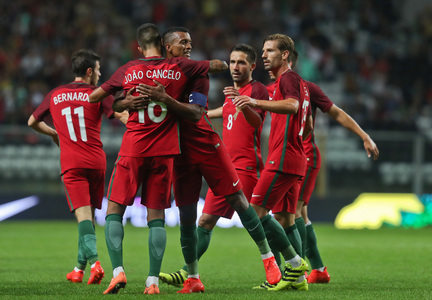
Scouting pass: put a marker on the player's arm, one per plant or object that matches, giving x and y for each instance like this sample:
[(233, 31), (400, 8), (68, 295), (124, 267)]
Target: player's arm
[(128, 101), (288, 106), (215, 113), (229, 92), (252, 116), (217, 66), (98, 95), (346, 121), (122, 116), (192, 111), (43, 128)]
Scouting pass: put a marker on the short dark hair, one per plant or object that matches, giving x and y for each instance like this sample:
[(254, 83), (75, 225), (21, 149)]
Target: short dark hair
[(82, 60), (168, 35), (148, 36), (284, 42), (248, 50), (293, 57)]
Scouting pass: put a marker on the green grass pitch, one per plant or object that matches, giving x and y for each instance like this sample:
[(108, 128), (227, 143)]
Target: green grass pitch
[(391, 263)]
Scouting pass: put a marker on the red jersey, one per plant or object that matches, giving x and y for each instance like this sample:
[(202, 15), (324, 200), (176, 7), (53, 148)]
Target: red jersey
[(270, 88), (242, 141), (198, 140), (286, 153), (320, 100), (77, 122), (154, 131)]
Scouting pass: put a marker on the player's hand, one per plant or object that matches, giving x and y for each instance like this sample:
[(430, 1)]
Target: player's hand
[(55, 139), (231, 92), (135, 102), (371, 148), (122, 116), (153, 93), (242, 101)]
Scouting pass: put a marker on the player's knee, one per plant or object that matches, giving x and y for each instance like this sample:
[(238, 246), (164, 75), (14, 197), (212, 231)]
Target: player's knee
[(208, 221), (283, 219), (237, 201), (115, 208), (187, 216), (261, 211), (153, 214)]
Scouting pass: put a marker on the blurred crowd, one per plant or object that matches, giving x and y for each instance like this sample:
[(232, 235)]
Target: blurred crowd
[(376, 53)]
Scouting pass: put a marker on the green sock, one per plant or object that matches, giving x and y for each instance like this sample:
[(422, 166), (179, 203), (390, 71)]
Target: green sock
[(302, 231), (204, 236), (114, 233), (276, 235), (294, 238), (252, 224), (188, 242), (82, 261), (157, 243), (312, 252), (88, 240)]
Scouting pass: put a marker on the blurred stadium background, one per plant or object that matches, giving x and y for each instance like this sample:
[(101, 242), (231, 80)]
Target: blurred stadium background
[(372, 58)]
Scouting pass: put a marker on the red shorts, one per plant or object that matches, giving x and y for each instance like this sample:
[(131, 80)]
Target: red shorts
[(153, 173), (272, 187), (289, 201), (308, 184), (218, 171), (217, 205), (84, 187), (187, 181)]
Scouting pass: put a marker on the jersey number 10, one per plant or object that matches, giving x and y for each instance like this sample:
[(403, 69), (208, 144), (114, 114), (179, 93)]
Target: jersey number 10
[(151, 112)]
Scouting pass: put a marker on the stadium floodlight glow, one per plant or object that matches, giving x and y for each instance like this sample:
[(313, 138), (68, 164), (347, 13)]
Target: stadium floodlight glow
[(13, 208), (372, 210), (137, 215)]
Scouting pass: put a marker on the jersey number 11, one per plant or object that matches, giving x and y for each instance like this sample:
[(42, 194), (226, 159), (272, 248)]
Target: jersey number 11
[(80, 112)]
